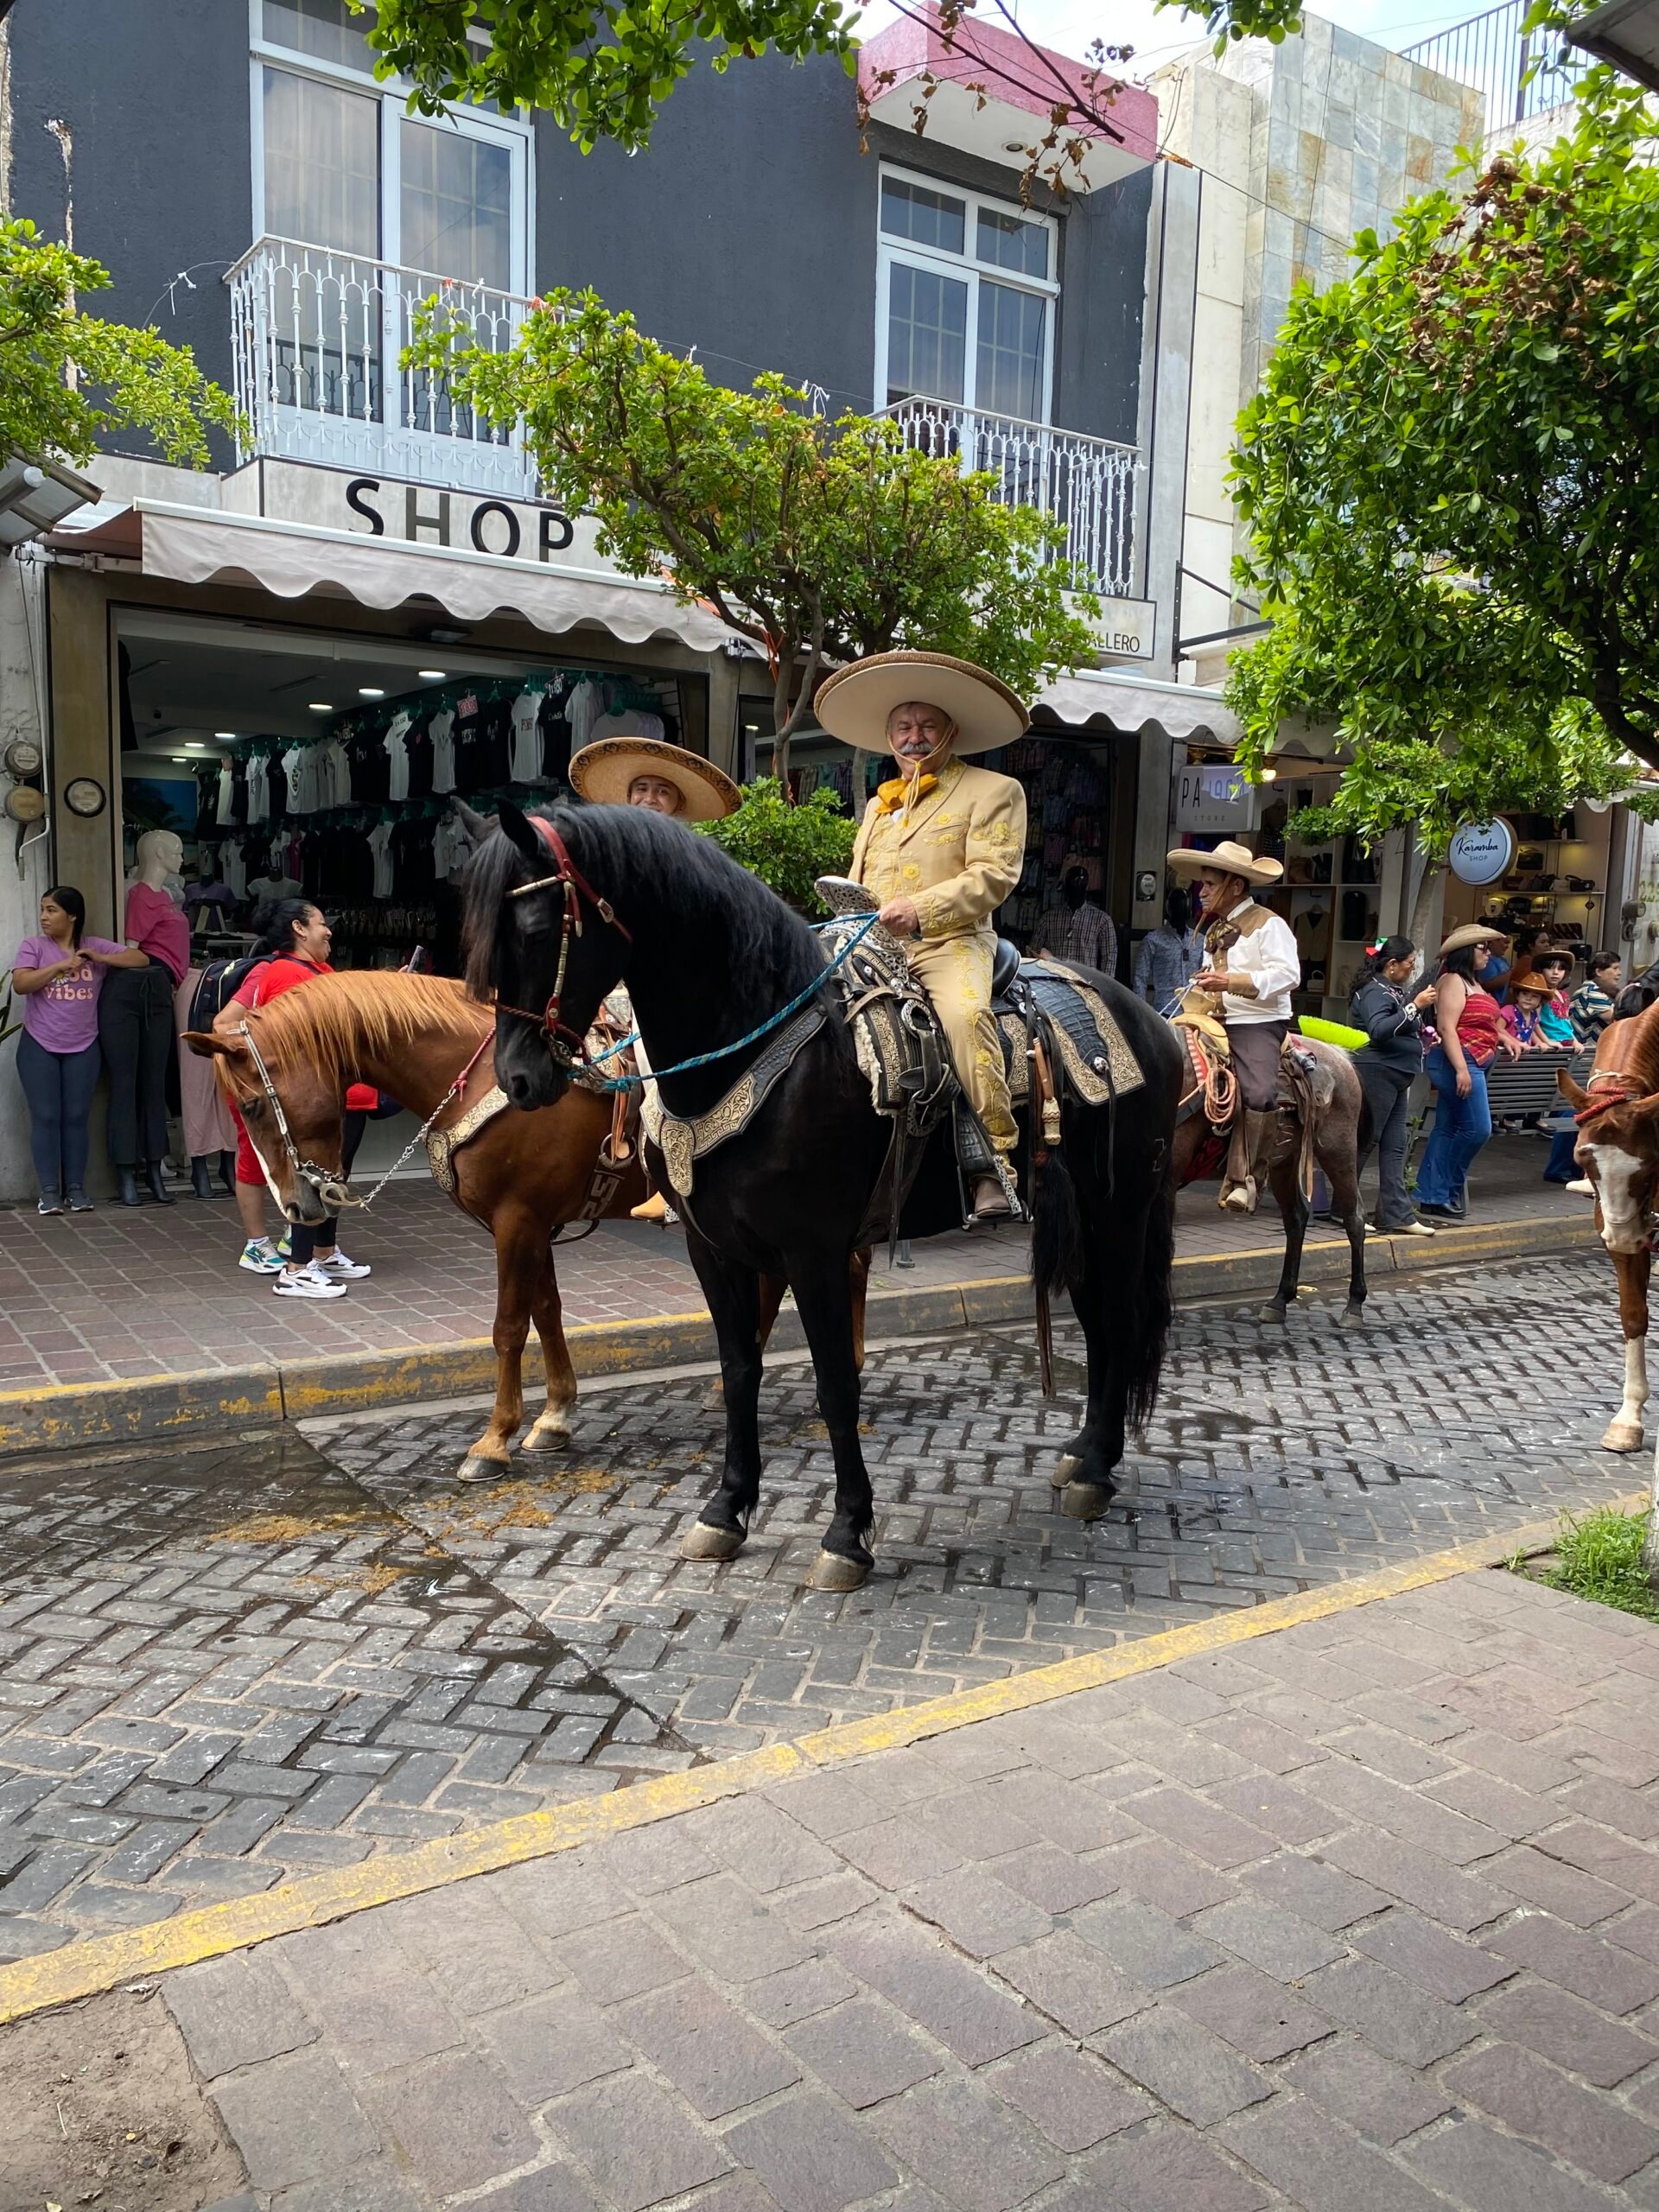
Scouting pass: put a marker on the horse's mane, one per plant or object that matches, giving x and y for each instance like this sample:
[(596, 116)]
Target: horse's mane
[(1640, 1057), (332, 1023), (770, 950)]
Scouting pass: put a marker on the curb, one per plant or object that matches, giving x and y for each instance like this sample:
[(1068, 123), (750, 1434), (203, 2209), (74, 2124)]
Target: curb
[(57, 1417), (101, 1962)]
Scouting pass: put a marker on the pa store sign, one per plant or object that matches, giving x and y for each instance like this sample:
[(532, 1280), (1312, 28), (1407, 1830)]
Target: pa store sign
[(1482, 852), (1212, 796), (456, 520)]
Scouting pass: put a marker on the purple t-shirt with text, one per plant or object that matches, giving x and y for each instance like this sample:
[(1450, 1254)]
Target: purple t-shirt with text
[(63, 1017)]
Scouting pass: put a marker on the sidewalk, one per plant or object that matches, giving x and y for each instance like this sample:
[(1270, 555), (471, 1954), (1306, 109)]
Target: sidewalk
[(119, 1298), (1356, 1914)]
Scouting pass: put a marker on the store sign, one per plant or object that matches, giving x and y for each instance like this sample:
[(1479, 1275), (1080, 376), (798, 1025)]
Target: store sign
[(1209, 797), (1126, 629), (421, 515), (1482, 852)]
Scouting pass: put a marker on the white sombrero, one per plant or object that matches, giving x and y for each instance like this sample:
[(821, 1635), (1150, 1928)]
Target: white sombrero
[(854, 704), (1230, 858), (603, 771)]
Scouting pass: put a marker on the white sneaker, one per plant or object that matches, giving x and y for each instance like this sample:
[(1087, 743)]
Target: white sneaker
[(259, 1256), (1582, 1184), (338, 1268), (306, 1282)]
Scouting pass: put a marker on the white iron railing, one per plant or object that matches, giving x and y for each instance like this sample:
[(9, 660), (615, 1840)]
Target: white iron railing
[(1522, 74), (317, 337), (1085, 485)]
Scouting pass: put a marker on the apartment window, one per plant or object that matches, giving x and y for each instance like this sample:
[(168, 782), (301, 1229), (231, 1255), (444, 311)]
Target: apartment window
[(965, 301)]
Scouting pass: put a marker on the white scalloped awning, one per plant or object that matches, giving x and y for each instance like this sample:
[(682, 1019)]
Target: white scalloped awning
[(1130, 703), (192, 545)]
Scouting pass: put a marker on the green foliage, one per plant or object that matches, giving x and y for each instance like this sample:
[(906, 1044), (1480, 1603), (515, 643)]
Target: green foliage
[(1450, 478), (787, 847), (1600, 1556), (820, 540), (65, 376), (600, 68)]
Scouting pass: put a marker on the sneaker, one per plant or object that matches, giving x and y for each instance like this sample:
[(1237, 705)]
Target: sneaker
[(78, 1201), (338, 1268), (1583, 1186), (285, 1246), (305, 1282), (50, 1203), (259, 1256)]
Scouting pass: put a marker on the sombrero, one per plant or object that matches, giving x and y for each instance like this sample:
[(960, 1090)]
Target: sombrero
[(1470, 933), (1230, 858), (854, 703), (603, 771)]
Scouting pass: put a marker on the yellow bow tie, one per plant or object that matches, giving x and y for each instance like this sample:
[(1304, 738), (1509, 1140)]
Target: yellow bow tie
[(897, 792)]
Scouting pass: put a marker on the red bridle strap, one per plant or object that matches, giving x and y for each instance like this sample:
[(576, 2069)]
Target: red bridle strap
[(574, 887)]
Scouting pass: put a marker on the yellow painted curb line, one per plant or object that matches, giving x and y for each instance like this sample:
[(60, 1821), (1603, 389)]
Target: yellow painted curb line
[(85, 1969)]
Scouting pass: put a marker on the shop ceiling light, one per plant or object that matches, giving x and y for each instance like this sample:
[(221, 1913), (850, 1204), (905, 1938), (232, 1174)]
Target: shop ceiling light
[(321, 707), (370, 691), (226, 736), (431, 674)]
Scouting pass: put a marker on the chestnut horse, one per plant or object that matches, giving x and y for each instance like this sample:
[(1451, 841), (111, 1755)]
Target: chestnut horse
[(1618, 1150), (523, 1176)]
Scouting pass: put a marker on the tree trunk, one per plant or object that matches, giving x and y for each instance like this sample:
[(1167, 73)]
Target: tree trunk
[(1423, 906), (782, 719)]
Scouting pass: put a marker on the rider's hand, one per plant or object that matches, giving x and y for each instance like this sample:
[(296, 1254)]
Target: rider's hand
[(1211, 979), (899, 915), (1464, 1083)]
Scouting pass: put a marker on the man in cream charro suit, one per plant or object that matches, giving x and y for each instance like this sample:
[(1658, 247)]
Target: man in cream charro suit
[(941, 845)]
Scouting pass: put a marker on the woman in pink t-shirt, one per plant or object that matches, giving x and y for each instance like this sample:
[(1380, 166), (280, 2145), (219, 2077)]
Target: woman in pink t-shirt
[(58, 975)]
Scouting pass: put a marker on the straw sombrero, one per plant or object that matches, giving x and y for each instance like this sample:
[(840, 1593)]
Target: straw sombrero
[(603, 771), (1230, 858), (1470, 933), (854, 703)]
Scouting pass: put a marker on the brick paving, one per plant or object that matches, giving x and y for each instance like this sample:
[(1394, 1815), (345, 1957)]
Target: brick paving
[(1403, 1957), (117, 1295), (230, 1664)]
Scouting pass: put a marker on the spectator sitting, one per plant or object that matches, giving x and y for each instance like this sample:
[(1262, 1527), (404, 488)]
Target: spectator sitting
[(1554, 967), (1523, 1015), (1591, 1006)]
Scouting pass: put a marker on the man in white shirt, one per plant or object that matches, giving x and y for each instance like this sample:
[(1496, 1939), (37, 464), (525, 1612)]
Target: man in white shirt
[(1251, 965)]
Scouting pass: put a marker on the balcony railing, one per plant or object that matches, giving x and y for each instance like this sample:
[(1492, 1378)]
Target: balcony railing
[(1085, 485), (317, 337), (1493, 54)]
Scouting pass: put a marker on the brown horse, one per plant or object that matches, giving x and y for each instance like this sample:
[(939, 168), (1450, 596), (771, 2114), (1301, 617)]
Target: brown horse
[(523, 1176), (1618, 1150), (1340, 1125)]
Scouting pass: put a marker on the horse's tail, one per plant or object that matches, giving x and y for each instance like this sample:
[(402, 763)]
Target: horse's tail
[(1152, 1306), (1057, 1245)]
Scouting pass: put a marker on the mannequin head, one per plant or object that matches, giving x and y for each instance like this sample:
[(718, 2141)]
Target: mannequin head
[(160, 854), (1076, 887)]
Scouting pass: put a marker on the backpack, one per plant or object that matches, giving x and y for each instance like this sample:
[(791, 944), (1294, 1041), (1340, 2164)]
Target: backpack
[(221, 982)]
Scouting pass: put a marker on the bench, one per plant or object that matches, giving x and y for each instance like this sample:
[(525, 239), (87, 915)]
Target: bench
[(1516, 1091)]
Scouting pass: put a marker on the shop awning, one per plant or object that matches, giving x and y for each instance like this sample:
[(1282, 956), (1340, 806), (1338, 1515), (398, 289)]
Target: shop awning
[(1110, 699), (193, 545)]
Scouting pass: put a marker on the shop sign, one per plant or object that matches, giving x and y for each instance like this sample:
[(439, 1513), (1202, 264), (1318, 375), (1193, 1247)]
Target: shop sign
[(1126, 629), (429, 516), (1211, 796), (1482, 852)]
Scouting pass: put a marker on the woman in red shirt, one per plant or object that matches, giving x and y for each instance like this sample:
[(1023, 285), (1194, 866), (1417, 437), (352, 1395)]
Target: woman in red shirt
[(292, 949)]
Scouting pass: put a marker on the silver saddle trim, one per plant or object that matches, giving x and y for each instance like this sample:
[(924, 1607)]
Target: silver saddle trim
[(683, 1143), (442, 1145)]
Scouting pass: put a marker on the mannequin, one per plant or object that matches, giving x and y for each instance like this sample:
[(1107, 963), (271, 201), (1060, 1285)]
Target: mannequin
[(135, 1020), (1079, 930)]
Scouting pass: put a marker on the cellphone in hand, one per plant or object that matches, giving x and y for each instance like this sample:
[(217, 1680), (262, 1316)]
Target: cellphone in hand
[(416, 965)]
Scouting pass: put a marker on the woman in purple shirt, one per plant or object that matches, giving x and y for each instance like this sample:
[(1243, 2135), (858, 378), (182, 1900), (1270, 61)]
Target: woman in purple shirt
[(58, 977)]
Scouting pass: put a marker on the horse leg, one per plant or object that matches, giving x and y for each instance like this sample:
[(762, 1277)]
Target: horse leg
[(860, 1290), (552, 1430), (1632, 1268), (846, 1556), (1083, 1474), (734, 1296), (771, 1298), (1294, 1212), (1339, 1161), (518, 1266)]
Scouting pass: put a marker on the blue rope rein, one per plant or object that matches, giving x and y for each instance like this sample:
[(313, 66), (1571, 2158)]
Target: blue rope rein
[(724, 1052)]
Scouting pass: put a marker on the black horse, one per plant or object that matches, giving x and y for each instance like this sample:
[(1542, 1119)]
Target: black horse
[(562, 907)]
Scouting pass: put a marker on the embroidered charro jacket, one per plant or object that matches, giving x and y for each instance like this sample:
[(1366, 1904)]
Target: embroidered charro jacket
[(957, 852)]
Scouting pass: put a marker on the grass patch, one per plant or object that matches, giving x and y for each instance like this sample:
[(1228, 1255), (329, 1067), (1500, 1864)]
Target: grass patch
[(1600, 1556)]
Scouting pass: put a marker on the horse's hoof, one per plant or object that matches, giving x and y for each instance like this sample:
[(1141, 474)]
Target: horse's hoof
[(1087, 1500), (474, 1470), (546, 1437), (1065, 1467), (834, 1572), (703, 1541), (1273, 1314), (1622, 1436), (1352, 1316)]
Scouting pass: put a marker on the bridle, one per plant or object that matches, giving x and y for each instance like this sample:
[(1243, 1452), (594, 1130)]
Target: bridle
[(567, 1046)]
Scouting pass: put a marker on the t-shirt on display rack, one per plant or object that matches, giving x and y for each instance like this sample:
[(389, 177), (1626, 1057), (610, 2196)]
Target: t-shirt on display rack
[(1068, 803), (358, 815)]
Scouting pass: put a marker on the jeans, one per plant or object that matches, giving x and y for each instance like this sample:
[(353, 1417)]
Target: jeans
[(134, 1027), (59, 1087), (1387, 1090), (1562, 1167), (1461, 1127)]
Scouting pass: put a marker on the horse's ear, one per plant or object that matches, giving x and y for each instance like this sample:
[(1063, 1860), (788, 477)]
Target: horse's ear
[(207, 1044), (516, 826), (476, 826), (1574, 1093)]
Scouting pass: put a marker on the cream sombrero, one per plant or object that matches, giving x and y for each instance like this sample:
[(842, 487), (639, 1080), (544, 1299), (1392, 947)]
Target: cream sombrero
[(854, 704), (603, 771), (1230, 858), (1470, 933)]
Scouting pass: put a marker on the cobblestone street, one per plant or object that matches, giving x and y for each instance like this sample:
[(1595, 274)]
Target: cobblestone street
[(225, 1665)]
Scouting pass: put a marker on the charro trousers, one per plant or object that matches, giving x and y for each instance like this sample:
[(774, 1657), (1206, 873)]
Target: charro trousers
[(956, 972)]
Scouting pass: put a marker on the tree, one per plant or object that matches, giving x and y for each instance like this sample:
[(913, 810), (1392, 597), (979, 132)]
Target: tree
[(789, 848), (65, 376), (1450, 478), (819, 541)]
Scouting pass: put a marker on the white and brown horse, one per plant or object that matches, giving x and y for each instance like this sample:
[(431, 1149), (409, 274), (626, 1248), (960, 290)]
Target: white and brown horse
[(1618, 1114)]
